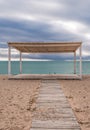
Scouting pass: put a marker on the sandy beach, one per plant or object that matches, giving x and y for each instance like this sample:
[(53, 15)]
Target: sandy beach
[(18, 97), (78, 94)]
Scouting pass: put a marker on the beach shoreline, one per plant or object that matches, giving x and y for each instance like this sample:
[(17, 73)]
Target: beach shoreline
[(18, 97)]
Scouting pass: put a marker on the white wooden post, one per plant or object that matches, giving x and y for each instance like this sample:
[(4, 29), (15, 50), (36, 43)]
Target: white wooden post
[(75, 62), (80, 49), (9, 60), (20, 63)]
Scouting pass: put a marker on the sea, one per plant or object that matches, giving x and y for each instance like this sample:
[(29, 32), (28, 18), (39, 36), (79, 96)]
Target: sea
[(44, 67)]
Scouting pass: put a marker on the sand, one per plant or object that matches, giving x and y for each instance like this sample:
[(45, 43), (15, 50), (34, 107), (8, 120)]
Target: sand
[(78, 94), (18, 97)]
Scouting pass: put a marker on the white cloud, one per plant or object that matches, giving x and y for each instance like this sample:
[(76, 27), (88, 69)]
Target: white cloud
[(70, 26), (28, 10)]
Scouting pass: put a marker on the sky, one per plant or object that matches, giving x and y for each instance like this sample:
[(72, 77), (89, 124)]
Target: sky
[(44, 20)]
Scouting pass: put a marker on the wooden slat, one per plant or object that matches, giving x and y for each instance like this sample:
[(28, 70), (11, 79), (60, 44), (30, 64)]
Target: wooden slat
[(65, 122), (60, 128), (53, 104)]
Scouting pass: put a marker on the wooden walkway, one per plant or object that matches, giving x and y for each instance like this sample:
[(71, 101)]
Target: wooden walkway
[(53, 111)]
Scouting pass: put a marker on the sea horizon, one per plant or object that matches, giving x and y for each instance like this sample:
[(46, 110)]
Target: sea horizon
[(45, 67)]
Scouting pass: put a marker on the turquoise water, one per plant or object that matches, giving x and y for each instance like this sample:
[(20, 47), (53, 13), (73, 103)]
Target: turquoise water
[(44, 67)]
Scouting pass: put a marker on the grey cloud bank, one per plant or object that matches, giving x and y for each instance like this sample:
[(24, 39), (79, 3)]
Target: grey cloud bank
[(49, 20)]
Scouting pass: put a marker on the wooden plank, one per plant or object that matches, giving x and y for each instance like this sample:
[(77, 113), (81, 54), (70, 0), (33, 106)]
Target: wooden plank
[(51, 101), (55, 124), (53, 104), (49, 88), (54, 116), (50, 95), (59, 111), (49, 91), (51, 98), (55, 129)]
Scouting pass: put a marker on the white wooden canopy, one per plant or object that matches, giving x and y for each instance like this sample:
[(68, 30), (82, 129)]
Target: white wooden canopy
[(45, 47)]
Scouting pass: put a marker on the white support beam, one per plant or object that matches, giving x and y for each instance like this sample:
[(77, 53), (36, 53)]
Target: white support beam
[(75, 62), (80, 49), (20, 63), (9, 60)]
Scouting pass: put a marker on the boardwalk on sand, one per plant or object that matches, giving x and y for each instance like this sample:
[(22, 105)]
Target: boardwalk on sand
[(53, 111)]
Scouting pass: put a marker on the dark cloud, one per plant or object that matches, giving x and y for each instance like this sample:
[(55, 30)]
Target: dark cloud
[(20, 31), (31, 31)]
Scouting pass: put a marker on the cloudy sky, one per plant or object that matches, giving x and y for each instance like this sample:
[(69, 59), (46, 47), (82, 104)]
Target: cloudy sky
[(44, 20)]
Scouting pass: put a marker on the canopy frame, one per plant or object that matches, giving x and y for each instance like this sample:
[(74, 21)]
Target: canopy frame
[(45, 47)]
